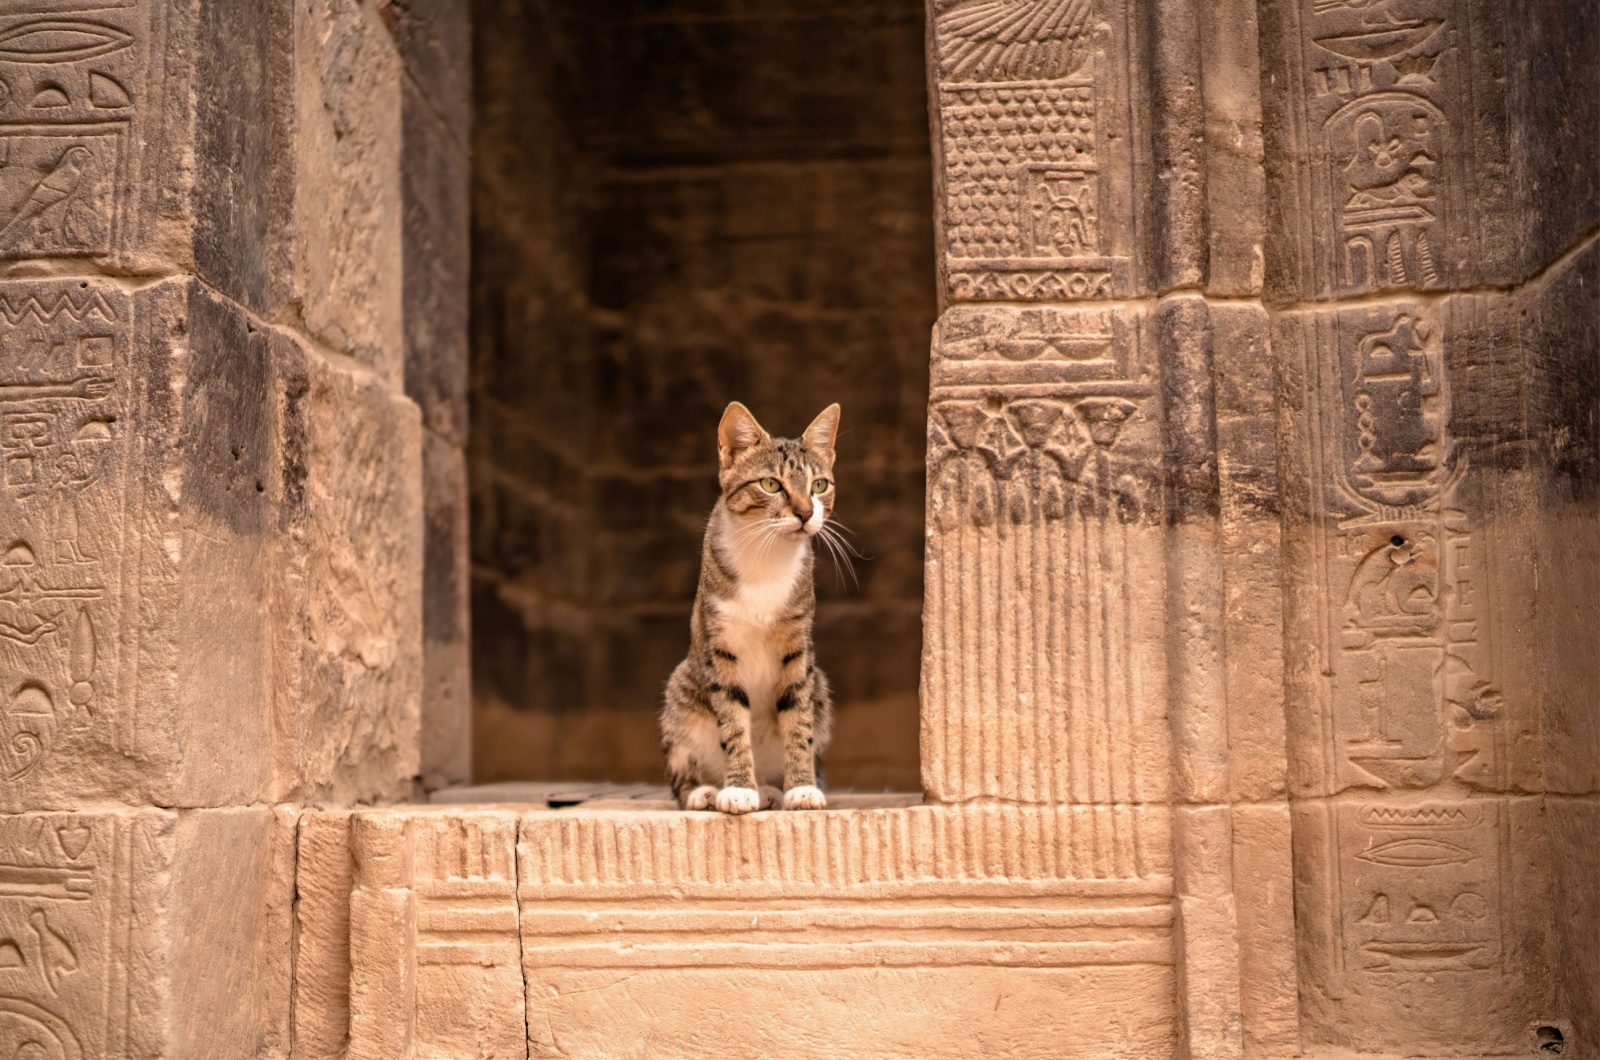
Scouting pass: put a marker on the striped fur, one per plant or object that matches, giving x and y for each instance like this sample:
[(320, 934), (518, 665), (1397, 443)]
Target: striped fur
[(747, 713)]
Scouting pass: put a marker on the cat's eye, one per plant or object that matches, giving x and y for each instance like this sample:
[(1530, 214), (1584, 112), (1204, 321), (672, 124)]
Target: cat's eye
[(771, 485), (820, 486)]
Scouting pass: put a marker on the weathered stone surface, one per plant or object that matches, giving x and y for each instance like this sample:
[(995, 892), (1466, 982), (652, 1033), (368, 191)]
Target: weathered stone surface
[(1388, 156), (254, 145), (323, 878), (1036, 136), (435, 40), (147, 932), (434, 936), (349, 592), (150, 460), (1043, 623), (434, 192), (837, 929), (344, 231)]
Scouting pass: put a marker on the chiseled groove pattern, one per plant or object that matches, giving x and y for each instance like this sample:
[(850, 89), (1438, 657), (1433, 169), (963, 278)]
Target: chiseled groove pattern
[(1046, 598), (920, 850), (1126, 930), (466, 890)]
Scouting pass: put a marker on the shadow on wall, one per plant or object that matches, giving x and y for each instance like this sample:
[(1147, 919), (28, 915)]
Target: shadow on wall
[(675, 209)]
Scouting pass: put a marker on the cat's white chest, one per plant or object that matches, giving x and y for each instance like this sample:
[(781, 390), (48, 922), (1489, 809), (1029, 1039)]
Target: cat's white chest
[(750, 618)]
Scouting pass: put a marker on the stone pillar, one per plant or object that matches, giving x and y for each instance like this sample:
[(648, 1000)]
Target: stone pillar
[(1103, 616), (1429, 212), (209, 497)]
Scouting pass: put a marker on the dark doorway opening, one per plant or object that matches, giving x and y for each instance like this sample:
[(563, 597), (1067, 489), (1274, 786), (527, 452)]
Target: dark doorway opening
[(677, 204)]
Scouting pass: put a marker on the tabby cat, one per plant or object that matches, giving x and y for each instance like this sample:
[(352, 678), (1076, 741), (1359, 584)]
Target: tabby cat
[(748, 710)]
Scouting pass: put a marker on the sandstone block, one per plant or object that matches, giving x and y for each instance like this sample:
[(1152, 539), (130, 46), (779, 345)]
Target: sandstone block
[(344, 232), (348, 596), (149, 460), (434, 196), (1434, 212), (1422, 923), (435, 41), (1043, 627), (324, 874), (253, 145), (147, 932), (434, 937), (1038, 144), (1263, 895)]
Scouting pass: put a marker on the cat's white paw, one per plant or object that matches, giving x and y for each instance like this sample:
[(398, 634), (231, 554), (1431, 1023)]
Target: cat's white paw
[(804, 797), (771, 797), (700, 798), (738, 800)]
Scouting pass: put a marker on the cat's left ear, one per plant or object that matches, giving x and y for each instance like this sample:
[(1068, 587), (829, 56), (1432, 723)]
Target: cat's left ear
[(820, 436)]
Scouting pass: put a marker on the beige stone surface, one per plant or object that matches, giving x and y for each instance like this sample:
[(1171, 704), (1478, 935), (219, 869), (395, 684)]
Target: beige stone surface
[(153, 463), (147, 932), (435, 952), (344, 233), (845, 933)]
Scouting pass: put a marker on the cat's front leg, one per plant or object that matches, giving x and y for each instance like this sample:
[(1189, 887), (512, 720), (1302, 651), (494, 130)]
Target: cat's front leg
[(797, 715), (732, 707)]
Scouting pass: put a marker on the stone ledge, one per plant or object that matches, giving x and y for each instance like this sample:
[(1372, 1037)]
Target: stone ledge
[(503, 927)]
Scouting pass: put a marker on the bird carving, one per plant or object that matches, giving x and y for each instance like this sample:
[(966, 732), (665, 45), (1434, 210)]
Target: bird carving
[(59, 188), (1013, 40), (55, 953)]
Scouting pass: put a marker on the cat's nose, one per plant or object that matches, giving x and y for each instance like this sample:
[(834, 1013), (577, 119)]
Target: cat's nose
[(804, 514)]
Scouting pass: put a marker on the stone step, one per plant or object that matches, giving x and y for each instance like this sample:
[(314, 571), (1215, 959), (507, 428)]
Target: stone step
[(501, 931)]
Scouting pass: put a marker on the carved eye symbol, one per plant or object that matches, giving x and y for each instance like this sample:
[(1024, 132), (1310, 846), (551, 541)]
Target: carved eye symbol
[(60, 42), (820, 486), (771, 485), (1417, 853)]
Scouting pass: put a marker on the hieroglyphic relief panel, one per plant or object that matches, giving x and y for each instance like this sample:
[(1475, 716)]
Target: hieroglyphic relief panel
[(66, 426), (1398, 566), (1033, 122), (1388, 141), (1398, 719), (75, 100), (1043, 624), (65, 912)]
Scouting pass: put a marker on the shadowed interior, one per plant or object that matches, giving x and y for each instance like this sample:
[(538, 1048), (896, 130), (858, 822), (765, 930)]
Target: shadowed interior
[(676, 205)]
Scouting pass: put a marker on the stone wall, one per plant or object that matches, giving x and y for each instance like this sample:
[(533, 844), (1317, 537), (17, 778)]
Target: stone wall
[(212, 499), (674, 209)]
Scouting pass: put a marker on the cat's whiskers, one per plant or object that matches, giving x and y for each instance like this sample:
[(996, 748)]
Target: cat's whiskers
[(840, 551)]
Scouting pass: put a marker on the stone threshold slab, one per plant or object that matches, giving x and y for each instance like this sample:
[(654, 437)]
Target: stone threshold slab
[(635, 931)]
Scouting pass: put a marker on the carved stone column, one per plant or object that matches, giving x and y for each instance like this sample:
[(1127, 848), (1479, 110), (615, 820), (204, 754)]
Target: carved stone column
[(1101, 626), (209, 503), (1427, 207)]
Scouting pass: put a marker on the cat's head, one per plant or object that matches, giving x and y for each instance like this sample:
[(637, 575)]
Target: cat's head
[(781, 480)]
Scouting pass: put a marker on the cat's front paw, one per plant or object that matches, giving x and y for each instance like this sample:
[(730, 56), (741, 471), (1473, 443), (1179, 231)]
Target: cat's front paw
[(804, 797), (738, 800), (700, 798)]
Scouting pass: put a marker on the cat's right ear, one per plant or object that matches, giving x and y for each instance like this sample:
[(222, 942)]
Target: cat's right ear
[(737, 432)]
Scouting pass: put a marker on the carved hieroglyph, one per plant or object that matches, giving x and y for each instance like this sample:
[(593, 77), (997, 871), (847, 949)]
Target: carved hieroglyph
[(1386, 105), (1043, 643), (66, 427), (116, 934), (75, 102), (1033, 119), (1413, 895)]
